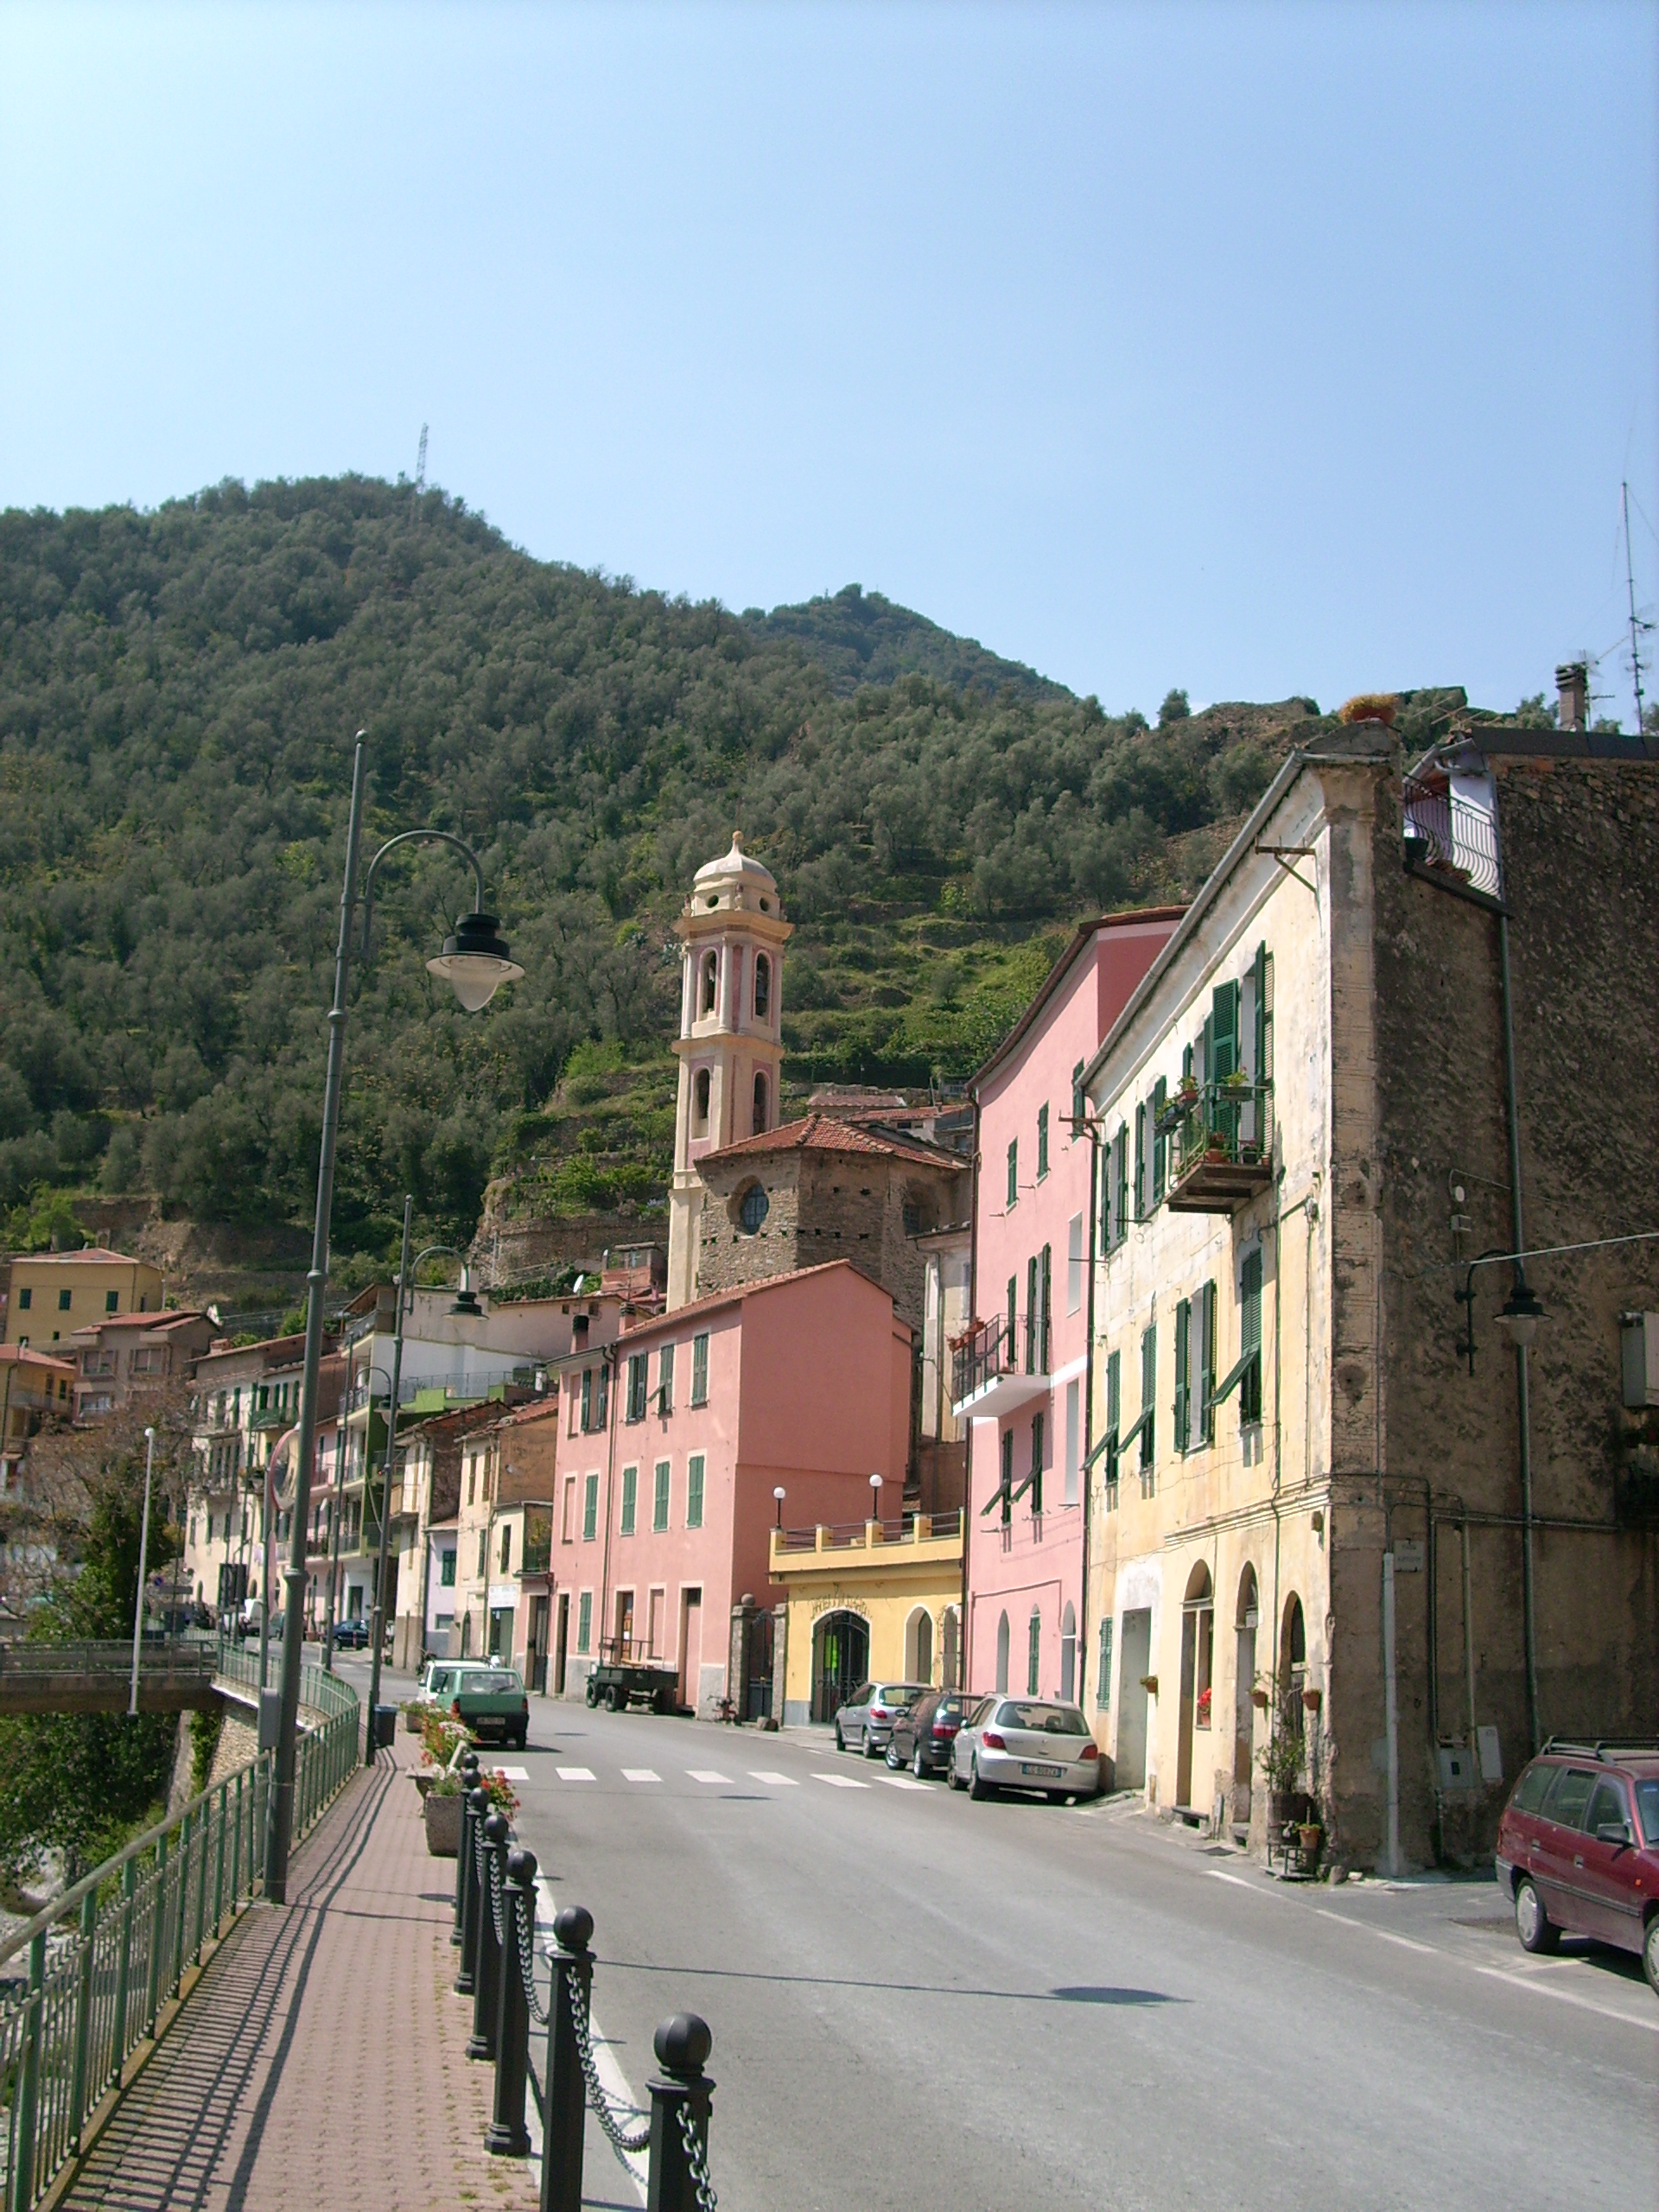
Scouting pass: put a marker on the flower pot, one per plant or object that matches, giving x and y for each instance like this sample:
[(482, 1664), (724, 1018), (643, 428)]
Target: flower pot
[(1311, 1699), (412, 1717), (423, 1782), (1150, 1683), (442, 1818), (1259, 1699), (1310, 1834)]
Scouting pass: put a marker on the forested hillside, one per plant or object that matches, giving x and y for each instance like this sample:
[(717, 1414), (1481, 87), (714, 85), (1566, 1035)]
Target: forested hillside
[(178, 693)]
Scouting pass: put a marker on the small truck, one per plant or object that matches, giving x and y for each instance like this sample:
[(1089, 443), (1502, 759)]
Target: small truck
[(627, 1674)]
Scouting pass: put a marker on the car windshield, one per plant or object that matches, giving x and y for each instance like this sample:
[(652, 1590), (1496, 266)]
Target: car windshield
[(496, 1683), (1046, 1719), (1647, 1798)]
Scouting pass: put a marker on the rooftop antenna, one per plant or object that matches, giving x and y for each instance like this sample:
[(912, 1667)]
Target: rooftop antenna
[(420, 462), (1636, 624)]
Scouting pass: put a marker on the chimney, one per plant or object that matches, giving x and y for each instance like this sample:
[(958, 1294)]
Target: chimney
[(1573, 682)]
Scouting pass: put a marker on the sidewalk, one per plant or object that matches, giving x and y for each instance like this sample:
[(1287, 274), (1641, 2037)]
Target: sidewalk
[(319, 2060)]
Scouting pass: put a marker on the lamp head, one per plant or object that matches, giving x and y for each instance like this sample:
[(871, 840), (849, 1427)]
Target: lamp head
[(1520, 1315), (475, 962), (467, 1308), (780, 1493)]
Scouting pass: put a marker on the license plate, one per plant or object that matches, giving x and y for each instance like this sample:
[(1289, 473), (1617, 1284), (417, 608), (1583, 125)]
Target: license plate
[(1043, 1773)]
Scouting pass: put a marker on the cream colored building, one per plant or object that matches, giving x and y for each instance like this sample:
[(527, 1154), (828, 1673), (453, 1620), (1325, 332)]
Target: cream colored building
[(881, 1602), (53, 1294), (1331, 1507)]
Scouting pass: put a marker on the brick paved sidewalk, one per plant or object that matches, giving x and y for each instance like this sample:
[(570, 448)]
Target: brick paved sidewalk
[(318, 2062)]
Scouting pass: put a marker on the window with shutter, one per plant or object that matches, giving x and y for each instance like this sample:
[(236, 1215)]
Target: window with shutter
[(694, 1490), (1013, 1174), (1042, 1140), (629, 1498), (1121, 1181), (1249, 1336), (1006, 1493), (1114, 1422), (1046, 1292), (1141, 1206), (659, 1499), (1103, 1672), (1031, 1316), (1183, 1355), (1206, 1364), (1160, 1143), (1148, 1405), (1077, 1100), (1223, 1032)]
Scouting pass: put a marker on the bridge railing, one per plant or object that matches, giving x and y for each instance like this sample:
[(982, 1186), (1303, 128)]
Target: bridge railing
[(84, 1982), (171, 1657)]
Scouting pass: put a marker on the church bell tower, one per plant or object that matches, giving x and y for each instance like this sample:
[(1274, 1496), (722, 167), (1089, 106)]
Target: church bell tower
[(730, 1045)]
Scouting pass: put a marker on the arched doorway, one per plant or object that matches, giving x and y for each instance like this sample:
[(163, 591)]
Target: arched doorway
[(1069, 1654), (1244, 1684), (919, 1646), (1293, 1664), (950, 1651), (841, 1660), (1198, 1662), (1002, 1655)]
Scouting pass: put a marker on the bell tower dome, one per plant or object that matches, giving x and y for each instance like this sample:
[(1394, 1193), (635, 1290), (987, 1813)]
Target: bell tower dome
[(730, 1045)]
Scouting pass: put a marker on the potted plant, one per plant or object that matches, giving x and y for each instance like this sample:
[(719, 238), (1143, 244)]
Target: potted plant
[(1281, 1759), (1260, 1700), (1310, 1835), (1201, 1715), (1312, 1699), (441, 1809)]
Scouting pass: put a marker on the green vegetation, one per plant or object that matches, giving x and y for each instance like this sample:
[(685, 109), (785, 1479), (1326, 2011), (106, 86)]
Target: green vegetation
[(178, 692)]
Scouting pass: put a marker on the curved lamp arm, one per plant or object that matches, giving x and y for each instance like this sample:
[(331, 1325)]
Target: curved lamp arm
[(419, 837)]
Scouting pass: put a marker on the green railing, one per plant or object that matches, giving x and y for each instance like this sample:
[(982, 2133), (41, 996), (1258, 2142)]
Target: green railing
[(84, 1984)]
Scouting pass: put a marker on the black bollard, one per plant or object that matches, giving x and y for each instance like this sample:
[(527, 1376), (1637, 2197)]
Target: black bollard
[(564, 2110), (477, 1805), (506, 2136), (486, 1950), (468, 1783), (681, 2044)]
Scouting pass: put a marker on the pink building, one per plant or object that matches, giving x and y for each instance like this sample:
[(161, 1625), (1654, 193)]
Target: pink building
[(672, 1444), (1021, 1377)]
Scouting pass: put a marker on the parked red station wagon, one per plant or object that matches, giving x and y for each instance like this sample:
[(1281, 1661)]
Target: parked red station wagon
[(1578, 1847)]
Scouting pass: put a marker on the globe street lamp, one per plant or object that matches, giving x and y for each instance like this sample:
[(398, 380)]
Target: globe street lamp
[(475, 962)]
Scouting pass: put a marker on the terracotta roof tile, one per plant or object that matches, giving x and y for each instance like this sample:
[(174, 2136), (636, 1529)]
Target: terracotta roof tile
[(824, 1132), (735, 1296)]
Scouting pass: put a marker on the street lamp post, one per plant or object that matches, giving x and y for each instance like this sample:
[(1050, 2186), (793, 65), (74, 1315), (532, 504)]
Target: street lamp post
[(475, 961), (143, 1556), (377, 1611)]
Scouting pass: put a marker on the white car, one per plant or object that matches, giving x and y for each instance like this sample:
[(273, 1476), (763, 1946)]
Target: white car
[(1022, 1743)]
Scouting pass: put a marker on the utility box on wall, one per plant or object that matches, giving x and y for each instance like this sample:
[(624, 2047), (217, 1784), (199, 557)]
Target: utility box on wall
[(1638, 1346)]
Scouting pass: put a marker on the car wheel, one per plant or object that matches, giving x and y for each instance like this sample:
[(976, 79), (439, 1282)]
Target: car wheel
[(592, 1692), (522, 1738), (840, 1740), (1537, 1931), (978, 1789), (894, 1760), (916, 1766), (1056, 1796), (1650, 1954), (872, 1749), (619, 1697), (952, 1777)]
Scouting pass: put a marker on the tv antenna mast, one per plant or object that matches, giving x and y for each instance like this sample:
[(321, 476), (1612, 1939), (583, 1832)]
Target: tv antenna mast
[(419, 468), (1636, 624)]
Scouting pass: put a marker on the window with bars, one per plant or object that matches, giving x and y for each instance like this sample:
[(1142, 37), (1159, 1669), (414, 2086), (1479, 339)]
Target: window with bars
[(694, 1490), (659, 1500), (629, 1498)]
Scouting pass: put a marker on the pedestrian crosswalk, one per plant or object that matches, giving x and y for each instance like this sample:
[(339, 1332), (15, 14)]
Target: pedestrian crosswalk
[(709, 1777)]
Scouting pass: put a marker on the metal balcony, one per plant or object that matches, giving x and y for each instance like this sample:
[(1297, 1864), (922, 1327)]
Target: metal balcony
[(1220, 1145), (1002, 1365)]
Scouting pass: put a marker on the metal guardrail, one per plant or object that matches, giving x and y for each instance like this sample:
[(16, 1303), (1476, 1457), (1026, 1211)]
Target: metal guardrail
[(171, 1657), (106, 1957)]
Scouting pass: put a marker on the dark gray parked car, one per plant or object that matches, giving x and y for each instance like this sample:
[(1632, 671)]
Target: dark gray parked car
[(865, 1722)]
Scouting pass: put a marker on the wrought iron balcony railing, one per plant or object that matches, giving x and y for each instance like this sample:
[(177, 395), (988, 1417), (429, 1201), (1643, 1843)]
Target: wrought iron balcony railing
[(1010, 1344), (1220, 1137)]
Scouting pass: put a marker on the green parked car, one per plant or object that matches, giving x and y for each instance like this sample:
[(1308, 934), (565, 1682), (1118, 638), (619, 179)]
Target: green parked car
[(491, 1703)]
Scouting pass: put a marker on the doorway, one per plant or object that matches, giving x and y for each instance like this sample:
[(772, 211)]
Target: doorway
[(535, 1652), (1069, 1655), (690, 1646), (919, 1646), (1198, 1661), (563, 1644), (1135, 1663), (1243, 1709), (841, 1660)]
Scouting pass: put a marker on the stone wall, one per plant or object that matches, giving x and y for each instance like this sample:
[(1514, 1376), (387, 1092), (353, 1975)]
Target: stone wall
[(1581, 848)]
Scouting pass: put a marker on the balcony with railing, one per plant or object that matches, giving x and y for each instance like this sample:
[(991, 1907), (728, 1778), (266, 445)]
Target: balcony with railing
[(1450, 831), (1001, 1364), (1220, 1137), (917, 1537)]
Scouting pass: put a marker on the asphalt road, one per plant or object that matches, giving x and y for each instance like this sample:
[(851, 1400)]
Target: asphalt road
[(916, 2000)]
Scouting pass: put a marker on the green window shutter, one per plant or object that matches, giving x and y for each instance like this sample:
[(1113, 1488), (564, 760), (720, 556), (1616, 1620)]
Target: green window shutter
[(630, 1498), (1103, 1672), (1013, 1314), (590, 1510), (1223, 1017), (1186, 1063), (694, 1491), (659, 1502), (1042, 1138), (1207, 1364), (1262, 996), (1007, 1491), (1076, 1099), (1159, 1144), (1031, 1314), (1121, 1152), (1148, 1398), (1249, 1332), (1141, 1162), (585, 1620), (1183, 1353), (700, 1371), (1207, 1042), (1013, 1173)]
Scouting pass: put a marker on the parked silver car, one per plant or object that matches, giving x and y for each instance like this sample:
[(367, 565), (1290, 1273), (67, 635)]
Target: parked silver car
[(866, 1719), (1018, 1743)]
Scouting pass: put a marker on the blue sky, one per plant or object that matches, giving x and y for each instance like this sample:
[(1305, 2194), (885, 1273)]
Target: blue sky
[(1256, 349)]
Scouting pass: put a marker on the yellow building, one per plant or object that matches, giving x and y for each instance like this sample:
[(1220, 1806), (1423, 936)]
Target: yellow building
[(55, 1292), (877, 1601)]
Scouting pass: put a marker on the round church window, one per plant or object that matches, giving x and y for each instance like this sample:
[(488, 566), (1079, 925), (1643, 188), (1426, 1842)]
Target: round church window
[(753, 1210)]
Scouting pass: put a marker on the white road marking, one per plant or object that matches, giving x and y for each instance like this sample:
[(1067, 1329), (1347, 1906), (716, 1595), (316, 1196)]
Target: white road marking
[(640, 1774), (575, 1773), (1237, 1880), (1566, 1997), (841, 1781), (513, 1773), (903, 1782), (1405, 1942), (777, 1781), (708, 1774)]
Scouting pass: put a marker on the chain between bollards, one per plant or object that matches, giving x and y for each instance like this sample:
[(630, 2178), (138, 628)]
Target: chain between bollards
[(490, 1849), (563, 2109), (463, 1860), (679, 2178), (506, 2136), (475, 1804)]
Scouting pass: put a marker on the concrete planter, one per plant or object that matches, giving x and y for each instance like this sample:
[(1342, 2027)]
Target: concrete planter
[(442, 1818)]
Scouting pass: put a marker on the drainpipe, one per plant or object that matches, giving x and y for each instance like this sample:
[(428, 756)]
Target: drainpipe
[(1469, 1631), (1522, 1404), (1391, 1719)]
